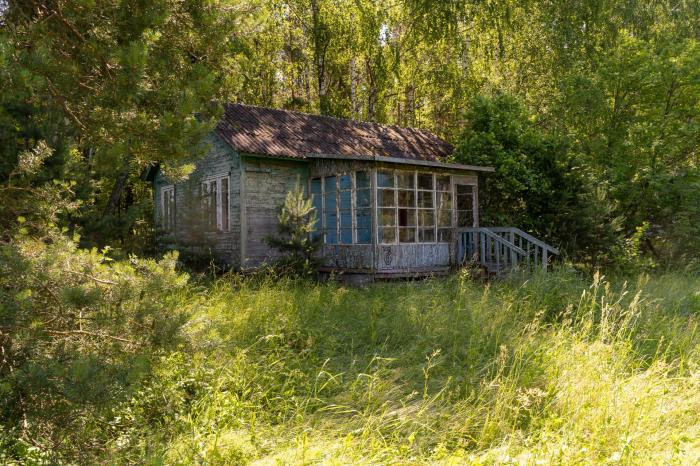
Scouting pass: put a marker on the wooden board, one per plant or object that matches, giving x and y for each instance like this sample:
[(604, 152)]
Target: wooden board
[(266, 184)]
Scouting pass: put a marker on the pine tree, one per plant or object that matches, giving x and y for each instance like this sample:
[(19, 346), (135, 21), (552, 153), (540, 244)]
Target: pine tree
[(294, 240)]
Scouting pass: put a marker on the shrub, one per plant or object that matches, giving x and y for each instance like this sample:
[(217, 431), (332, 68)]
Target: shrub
[(77, 331), (294, 234)]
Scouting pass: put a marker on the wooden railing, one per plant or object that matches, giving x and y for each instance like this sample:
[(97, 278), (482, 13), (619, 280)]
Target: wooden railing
[(501, 249)]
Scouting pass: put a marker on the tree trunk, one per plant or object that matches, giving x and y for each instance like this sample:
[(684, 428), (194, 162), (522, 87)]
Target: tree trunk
[(120, 184)]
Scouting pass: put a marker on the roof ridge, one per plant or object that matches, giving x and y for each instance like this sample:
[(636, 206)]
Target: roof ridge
[(353, 120)]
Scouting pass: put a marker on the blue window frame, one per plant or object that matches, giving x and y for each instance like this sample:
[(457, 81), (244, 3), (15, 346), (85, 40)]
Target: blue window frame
[(343, 204)]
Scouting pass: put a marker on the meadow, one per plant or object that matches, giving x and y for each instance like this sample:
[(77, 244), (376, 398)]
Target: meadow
[(562, 368)]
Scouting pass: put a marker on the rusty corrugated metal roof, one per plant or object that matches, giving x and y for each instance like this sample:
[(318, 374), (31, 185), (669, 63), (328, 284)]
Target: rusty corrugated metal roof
[(284, 133)]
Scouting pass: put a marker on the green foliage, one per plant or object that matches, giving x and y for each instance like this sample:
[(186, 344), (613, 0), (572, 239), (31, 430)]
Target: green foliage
[(77, 332), (614, 87), (294, 239), (111, 88), (538, 185), (582, 369)]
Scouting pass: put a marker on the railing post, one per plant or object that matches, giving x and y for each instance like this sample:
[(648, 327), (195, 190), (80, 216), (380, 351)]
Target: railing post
[(498, 256), (528, 255), (482, 241), (544, 259)]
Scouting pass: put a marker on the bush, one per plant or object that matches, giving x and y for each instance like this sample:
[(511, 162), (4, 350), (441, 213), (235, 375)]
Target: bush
[(77, 332), (538, 185)]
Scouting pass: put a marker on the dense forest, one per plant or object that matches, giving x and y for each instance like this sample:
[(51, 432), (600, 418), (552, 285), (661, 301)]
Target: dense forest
[(588, 109)]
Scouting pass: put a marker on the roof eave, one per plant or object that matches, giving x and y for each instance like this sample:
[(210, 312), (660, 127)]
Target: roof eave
[(426, 163)]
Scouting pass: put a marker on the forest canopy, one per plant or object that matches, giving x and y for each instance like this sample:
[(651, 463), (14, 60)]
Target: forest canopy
[(606, 92)]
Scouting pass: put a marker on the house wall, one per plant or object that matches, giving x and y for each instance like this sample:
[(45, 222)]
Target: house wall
[(265, 184), (389, 259), (257, 189), (190, 234)]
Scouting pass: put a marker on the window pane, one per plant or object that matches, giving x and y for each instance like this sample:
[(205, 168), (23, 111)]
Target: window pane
[(330, 183), (316, 186), (425, 199), (346, 200), (407, 217), (316, 202), (407, 198), (329, 199), (385, 179), (426, 235), (331, 237), (363, 218), (444, 200), (362, 180), (464, 189), (345, 219), (426, 218), (363, 235), (387, 235), (442, 182), (444, 235), (465, 218), (387, 217), (445, 218), (386, 197), (346, 236), (425, 181), (345, 181), (331, 222), (405, 180), (363, 198), (465, 199), (407, 235)]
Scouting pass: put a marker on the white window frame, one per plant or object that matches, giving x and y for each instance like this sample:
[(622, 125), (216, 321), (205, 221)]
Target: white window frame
[(219, 204), (166, 224), (435, 208)]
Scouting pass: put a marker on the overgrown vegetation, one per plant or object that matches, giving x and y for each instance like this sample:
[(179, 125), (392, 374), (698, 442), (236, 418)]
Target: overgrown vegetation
[(559, 368), (588, 110), (294, 239)]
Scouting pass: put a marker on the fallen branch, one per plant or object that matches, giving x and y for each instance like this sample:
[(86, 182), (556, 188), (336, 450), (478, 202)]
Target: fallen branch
[(98, 280)]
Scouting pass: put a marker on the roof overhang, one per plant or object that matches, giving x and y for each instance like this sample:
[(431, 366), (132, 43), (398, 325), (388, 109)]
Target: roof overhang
[(425, 163)]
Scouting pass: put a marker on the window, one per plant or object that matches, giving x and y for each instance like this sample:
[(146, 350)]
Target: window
[(426, 205), (386, 207), (363, 214), (413, 207), (343, 208), (443, 194), (465, 205), (215, 203), (167, 208)]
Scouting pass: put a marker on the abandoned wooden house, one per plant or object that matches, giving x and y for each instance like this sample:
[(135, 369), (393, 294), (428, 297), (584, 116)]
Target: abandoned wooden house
[(387, 203)]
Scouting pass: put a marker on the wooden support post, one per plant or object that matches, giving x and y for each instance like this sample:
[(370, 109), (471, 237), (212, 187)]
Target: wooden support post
[(482, 241), (544, 259)]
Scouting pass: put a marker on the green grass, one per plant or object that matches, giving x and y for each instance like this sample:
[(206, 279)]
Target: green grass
[(557, 369)]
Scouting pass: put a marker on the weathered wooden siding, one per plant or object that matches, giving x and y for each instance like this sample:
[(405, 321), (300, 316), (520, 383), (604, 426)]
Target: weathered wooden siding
[(220, 159), (349, 257), (401, 258), (266, 183)]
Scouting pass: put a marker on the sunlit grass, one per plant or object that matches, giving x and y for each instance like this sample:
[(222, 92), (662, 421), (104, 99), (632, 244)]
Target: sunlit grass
[(555, 369)]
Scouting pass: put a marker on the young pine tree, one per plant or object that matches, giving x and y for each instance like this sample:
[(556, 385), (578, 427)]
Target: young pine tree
[(294, 240)]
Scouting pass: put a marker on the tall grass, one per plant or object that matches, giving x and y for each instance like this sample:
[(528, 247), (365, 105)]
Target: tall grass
[(554, 369)]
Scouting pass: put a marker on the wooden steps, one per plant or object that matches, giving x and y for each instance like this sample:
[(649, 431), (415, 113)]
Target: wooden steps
[(499, 250)]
